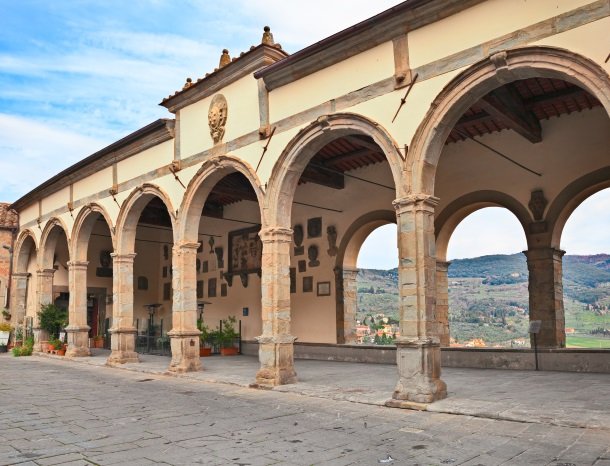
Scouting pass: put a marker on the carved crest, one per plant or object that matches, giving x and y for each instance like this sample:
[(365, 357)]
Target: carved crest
[(217, 117), (537, 204)]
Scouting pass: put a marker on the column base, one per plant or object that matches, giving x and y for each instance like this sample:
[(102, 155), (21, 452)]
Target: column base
[(123, 345), (276, 355), (40, 335), (419, 371), (78, 341), (185, 351)]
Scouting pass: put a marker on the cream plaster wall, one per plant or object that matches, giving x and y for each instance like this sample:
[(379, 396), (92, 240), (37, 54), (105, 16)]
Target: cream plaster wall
[(56, 200), (584, 40), (572, 146), (242, 117), (334, 81), (29, 214), (148, 160), (99, 181), (484, 22)]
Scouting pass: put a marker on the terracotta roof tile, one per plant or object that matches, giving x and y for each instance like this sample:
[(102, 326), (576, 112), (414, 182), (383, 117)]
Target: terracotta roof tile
[(8, 217)]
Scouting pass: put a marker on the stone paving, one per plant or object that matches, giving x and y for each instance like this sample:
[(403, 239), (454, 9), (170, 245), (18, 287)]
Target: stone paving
[(57, 411)]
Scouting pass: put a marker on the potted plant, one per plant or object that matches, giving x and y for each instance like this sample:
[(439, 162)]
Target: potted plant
[(6, 314), (52, 319), (227, 337), (57, 346), (205, 348), (5, 334), (18, 336), (26, 349), (98, 341)]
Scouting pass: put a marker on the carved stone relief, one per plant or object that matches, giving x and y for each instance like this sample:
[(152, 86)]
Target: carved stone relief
[(537, 204), (312, 253), (217, 117), (298, 236), (331, 233)]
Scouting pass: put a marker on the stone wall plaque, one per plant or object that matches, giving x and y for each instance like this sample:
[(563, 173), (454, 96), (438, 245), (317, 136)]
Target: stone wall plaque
[(293, 280), (217, 117), (331, 233), (312, 253), (298, 236), (302, 266), (245, 251), (307, 284), (142, 283)]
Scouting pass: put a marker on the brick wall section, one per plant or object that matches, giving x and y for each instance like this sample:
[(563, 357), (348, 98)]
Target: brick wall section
[(8, 226)]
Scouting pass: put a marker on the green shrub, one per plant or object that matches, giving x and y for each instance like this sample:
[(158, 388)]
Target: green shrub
[(52, 319)]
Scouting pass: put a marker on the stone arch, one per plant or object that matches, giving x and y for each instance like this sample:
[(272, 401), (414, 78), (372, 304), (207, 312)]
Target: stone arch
[(356, 234), (450, 217), (483, 77), (346, 270), (131, 208), (83, 226), (299, 151), (23, 250), (200, 186), (48, 242), (570, 198)]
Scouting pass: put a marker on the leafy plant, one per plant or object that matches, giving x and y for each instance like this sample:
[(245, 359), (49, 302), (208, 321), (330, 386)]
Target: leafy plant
[(228, 334), (26, 349), (56, 343), (6, 314), (206, 333), (52, 319), (5, 327)]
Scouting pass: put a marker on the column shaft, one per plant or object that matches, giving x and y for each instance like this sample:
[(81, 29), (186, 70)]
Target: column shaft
[(442, 301), (418, 348), (184, 334), (123, 339), (77, 329), (546, 295), (350, 303), (44, 296), (276, 352)]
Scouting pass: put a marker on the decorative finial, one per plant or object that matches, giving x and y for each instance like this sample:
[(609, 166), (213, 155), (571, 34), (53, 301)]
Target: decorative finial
[(187, 84), (225, 59), (267, 36)]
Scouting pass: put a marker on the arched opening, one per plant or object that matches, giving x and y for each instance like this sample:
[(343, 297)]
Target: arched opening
[(23, 295), (93, 243), (53, 276), (586, 273), (223, 215), (485, 282), (512, 124), (377, 314), (348, 177)]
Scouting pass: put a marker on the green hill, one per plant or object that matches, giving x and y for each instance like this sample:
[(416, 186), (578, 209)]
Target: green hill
[(488, 297)]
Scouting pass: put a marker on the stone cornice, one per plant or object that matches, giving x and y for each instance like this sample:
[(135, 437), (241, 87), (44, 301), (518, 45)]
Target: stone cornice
[(259, 57), (151, 135), (409, 15)]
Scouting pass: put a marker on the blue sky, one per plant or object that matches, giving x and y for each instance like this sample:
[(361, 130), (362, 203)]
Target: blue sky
[(77, 75)]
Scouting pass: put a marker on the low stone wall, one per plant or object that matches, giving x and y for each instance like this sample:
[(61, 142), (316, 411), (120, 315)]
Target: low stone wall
[(567, 360)]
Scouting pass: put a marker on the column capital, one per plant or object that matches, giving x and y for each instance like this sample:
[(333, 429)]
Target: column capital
[(276, 235), (78, 264), (542, 253), (442, 266), (416, 202), (45, 272), (186, 246), (276, 339), (350, 273), (21, 275), (116, 257)]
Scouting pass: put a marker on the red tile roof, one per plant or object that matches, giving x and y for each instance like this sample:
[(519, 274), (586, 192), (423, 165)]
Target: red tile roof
[(8, 217)]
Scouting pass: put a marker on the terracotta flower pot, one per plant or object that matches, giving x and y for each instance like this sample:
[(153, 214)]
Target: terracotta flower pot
[(232, 351), (203, 352), (98, 343), (61, 352)]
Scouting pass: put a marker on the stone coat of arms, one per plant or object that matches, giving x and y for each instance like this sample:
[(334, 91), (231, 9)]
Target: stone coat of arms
[(217, 117)]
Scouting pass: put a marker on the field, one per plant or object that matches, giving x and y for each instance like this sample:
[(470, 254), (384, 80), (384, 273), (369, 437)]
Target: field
[(488, 299)]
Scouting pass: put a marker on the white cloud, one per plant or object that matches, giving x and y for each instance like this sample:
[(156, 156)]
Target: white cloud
[(31, 152)]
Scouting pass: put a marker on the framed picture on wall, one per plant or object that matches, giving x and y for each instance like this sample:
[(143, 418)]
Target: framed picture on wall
[(323, 289), (307, 284), (245, 251)]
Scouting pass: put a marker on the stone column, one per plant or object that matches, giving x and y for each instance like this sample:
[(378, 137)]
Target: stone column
[(184, 334), (123, 332), (418, 348), (546, 295), (350, 303), (442, 301), (44, 296), (275, 345), (77, 329), (19, 295)]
